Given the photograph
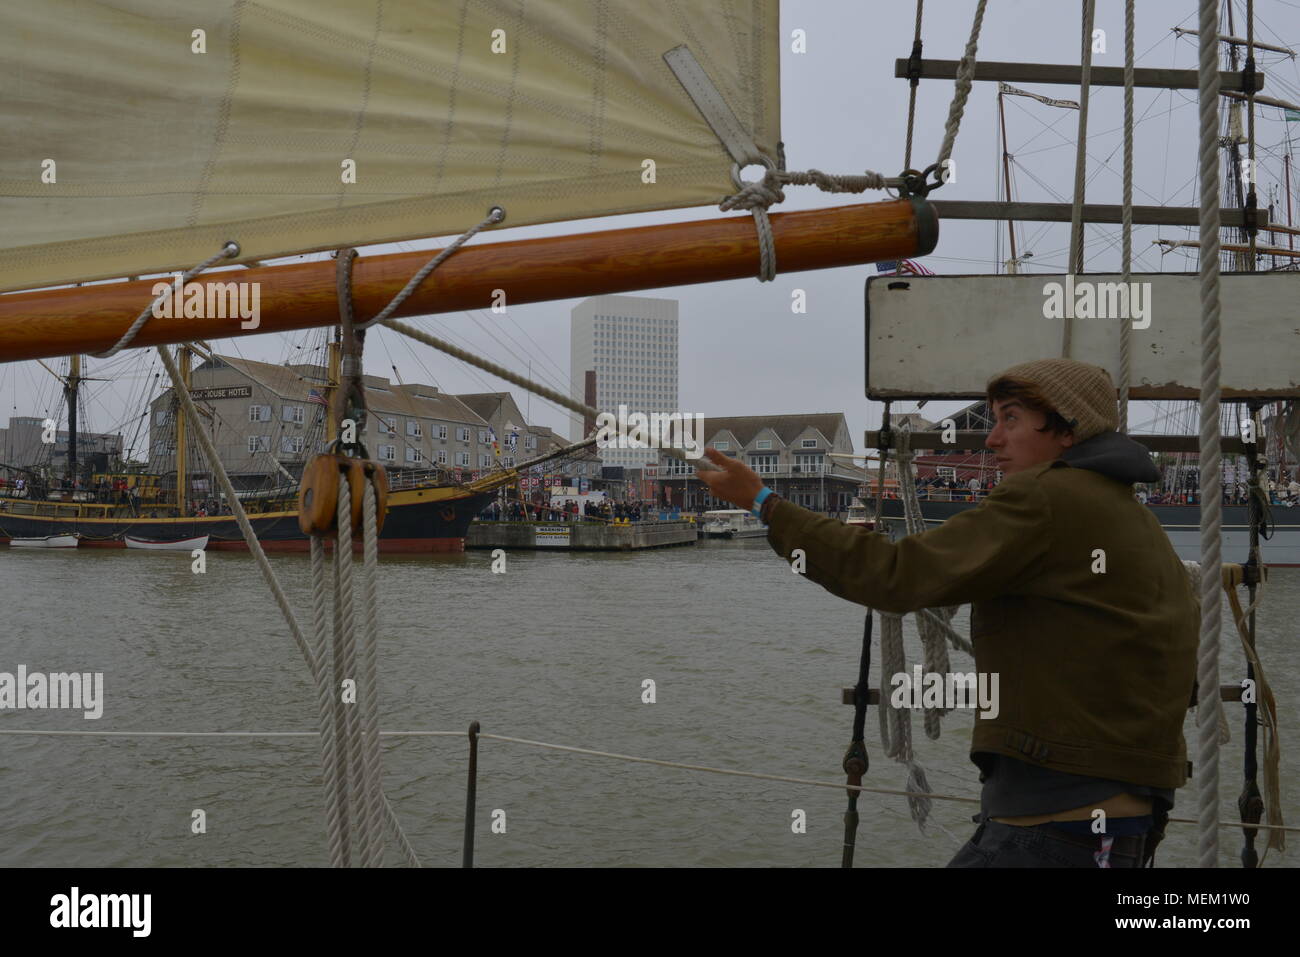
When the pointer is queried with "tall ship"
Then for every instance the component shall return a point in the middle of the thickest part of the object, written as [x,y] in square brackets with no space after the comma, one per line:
[444,462]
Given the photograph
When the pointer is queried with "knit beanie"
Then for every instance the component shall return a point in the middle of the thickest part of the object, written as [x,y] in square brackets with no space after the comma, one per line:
[1083,394]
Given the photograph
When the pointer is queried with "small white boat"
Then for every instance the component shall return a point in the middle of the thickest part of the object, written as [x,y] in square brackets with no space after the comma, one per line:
[732,523]
[180,545]
[49,541]
[858,515]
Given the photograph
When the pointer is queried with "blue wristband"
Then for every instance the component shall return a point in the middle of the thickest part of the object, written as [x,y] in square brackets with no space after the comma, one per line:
[757,510]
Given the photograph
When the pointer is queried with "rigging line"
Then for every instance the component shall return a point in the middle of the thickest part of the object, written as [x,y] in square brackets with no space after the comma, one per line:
[558,368]
[1096,136]
[557,386]
[1090,156]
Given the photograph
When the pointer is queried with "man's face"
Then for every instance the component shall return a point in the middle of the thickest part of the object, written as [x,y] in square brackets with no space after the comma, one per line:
[1016,440]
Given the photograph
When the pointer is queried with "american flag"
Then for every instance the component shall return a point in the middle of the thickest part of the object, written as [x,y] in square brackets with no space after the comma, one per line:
[905,267]
[314,395]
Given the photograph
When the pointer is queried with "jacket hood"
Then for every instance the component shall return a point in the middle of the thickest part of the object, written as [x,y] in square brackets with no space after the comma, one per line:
[1115,456]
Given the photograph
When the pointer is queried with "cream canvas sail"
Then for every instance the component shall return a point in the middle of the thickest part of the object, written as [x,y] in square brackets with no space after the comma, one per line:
[140,135]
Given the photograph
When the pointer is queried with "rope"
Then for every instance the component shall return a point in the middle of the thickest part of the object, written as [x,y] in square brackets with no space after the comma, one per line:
[499,371]
[495,215]
[1267,703]
[237,509]
[1207,715]
[1080,164]
[911,96]
[965,77]
[780,778]
[1126,327]
[760,194]
[368,680]
[228,251]
[327,707]
[345,649]
[896,723]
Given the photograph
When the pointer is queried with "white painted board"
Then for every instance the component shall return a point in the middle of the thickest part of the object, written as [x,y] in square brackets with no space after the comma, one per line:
[946,336]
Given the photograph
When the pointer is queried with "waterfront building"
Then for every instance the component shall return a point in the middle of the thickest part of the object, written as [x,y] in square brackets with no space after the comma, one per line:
[792,454]
[628,345]
[21,447]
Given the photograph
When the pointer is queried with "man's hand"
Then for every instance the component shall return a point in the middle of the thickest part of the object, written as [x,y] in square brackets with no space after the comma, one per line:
[737,483]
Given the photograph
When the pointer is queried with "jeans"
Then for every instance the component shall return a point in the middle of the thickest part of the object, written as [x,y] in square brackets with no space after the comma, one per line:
[1005,845]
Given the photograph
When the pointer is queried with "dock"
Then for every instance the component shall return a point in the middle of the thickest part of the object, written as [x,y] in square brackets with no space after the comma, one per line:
[581,536]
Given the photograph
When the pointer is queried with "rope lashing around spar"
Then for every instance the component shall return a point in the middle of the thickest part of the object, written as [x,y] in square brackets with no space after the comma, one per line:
[758,196]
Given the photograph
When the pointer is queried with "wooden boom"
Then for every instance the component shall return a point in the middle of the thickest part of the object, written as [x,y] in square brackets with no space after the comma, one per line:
[56,322]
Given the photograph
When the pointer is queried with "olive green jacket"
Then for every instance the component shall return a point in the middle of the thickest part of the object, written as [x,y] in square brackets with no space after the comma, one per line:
[1095,667]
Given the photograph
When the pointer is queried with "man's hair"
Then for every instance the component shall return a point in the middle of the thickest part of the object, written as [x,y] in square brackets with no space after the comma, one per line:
[1008,387]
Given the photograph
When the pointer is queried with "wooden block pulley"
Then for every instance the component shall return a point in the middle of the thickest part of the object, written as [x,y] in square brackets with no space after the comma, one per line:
[318,494]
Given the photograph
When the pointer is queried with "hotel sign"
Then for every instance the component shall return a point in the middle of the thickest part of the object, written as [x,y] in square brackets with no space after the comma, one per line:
[233,392]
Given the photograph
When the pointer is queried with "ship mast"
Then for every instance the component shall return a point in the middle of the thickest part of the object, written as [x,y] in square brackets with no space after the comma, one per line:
[70,387]
[184,355]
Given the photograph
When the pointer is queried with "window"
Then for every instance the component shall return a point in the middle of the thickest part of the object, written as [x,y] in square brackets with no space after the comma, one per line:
[462,434]
[763,464]
[414,455]
[259,443]
[290,444]
[386,426]
[442,431]
[388,453]
[809,443]
[259,413]
[442,456]
[508,461]
[462,458]
[530,442]
[809,462]
[483,437]
[722,446]
[764,443]
[485,461]
[414,431]
[292,413]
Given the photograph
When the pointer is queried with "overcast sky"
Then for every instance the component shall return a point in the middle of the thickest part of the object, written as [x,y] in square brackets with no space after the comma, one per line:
[742,352]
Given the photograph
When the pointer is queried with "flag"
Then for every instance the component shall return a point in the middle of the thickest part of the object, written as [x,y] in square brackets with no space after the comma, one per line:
[1292,116]
[905,267]
[496,448]
[316,396]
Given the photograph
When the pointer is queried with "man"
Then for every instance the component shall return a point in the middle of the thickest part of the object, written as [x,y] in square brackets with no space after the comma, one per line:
[1080,606]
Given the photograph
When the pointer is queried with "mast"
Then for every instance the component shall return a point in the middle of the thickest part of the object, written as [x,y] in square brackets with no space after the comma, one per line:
[333,364]
[183,354]
[1006,176]
[71,385]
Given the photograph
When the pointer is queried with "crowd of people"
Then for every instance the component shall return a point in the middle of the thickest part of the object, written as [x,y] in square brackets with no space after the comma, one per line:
[570,510]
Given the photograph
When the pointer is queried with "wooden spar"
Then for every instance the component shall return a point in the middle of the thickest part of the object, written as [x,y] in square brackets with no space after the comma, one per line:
[52,322]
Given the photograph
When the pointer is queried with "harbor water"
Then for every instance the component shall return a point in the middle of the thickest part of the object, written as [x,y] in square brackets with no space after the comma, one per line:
[747,661]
